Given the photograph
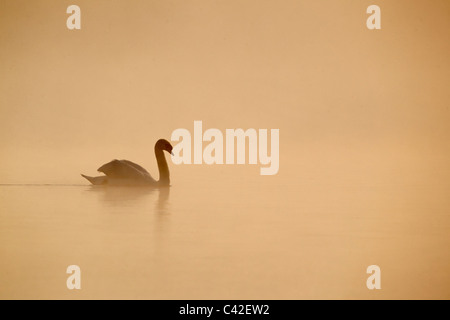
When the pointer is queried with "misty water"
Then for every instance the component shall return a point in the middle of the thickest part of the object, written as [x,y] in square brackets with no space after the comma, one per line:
[363,119]
[225,232]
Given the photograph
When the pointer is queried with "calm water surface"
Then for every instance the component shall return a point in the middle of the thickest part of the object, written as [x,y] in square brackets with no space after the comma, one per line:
[229,237]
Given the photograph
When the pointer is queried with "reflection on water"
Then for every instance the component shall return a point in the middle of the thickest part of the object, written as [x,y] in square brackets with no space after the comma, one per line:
[215,238]
[132,196]
[122,199]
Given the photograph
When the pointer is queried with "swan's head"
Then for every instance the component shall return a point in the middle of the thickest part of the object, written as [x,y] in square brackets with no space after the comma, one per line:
[163,144]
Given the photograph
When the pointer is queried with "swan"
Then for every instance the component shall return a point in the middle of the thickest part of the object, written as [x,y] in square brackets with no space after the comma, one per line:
[124,172]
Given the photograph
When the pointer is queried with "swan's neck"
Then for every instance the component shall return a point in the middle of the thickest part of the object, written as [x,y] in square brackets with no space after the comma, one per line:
[164,176]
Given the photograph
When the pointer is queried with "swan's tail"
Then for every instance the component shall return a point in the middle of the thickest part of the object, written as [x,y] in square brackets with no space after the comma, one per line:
[96,180]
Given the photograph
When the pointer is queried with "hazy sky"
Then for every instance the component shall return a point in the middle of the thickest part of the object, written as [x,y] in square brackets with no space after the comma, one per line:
[137,70]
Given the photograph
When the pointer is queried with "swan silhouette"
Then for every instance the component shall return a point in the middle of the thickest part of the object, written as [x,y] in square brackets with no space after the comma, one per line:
[127,173]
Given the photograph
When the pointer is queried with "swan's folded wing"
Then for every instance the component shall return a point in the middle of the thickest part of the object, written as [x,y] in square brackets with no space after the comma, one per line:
[118,169]
[136,166]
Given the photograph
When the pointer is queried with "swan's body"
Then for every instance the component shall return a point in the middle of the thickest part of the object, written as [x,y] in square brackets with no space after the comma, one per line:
[124,172]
